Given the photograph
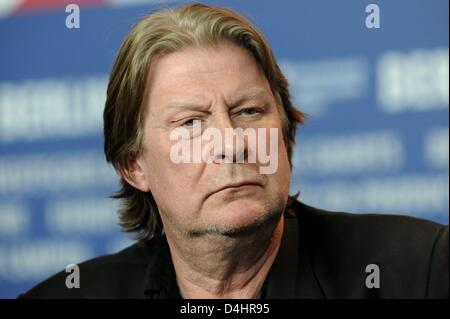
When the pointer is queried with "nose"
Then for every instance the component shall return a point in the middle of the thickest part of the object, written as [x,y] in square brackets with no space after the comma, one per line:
[233,150]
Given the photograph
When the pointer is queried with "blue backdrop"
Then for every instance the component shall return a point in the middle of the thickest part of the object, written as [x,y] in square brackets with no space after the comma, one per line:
[376,141]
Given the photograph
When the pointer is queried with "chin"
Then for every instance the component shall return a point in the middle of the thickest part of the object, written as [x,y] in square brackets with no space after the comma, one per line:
[244,215]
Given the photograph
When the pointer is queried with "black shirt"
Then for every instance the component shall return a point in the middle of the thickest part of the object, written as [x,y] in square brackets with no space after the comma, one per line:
[322,255]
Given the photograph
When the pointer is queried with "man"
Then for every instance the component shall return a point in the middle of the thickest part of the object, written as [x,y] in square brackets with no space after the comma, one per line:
[222,226]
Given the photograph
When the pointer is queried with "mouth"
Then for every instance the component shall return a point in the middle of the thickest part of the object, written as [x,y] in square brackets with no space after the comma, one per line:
[239,186]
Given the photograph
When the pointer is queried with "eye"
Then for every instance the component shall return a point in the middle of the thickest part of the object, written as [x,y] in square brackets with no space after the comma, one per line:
[188,123]
[251,111]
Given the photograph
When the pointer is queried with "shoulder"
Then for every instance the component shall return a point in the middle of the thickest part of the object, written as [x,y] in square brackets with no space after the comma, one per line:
[372,229]
[411,253]
[117,275]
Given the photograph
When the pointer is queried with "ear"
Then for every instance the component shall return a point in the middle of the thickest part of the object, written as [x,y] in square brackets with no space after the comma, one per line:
[135,175]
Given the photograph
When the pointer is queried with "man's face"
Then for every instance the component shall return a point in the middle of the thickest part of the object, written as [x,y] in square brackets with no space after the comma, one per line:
[221,88]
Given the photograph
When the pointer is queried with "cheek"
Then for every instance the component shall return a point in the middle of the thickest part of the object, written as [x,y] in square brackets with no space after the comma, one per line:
[281,150]
[284,167]
[170,183]
[281,177]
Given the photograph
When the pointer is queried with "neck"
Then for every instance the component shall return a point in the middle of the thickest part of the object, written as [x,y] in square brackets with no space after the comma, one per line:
[217,266]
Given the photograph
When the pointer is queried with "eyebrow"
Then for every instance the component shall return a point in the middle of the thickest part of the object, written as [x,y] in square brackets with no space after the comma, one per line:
[247,96]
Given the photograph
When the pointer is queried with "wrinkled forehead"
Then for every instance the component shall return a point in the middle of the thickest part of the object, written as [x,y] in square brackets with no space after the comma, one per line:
[197,74]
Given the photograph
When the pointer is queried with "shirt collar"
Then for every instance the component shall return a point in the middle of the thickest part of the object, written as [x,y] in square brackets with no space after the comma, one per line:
[161,279]
[282,278]
[291,275]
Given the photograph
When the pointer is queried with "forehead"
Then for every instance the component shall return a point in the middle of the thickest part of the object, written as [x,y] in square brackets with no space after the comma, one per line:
[200,73]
